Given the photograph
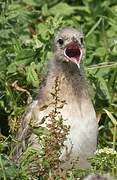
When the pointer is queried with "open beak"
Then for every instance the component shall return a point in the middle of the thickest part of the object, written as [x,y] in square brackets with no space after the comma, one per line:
[73,53]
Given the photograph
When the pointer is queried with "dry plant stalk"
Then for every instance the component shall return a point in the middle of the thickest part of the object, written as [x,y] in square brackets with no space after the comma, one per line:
[45,161]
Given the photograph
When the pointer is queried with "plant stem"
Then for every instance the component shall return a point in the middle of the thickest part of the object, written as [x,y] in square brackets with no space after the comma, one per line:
[2,168]
[114,136]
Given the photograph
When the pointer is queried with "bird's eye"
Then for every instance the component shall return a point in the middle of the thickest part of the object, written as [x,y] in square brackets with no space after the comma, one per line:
[60,41]
[82,40]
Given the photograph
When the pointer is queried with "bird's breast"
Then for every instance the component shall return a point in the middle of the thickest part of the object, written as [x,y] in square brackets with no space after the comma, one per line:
[82,136]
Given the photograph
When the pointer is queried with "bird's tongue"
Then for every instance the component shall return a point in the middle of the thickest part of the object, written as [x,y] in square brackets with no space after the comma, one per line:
[73,53]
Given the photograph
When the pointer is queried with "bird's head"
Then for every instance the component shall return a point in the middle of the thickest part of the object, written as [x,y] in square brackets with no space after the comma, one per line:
[69,46]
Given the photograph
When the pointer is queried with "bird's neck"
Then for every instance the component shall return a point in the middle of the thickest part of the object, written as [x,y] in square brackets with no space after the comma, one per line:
[70,79]
[71,76]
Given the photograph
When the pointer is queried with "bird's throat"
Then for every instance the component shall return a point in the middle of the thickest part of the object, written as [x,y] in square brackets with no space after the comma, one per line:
[70,77]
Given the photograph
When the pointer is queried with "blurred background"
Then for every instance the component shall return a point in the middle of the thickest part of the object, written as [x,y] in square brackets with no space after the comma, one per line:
[27,29]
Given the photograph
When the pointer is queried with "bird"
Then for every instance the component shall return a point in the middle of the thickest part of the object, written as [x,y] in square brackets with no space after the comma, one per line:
[77,113]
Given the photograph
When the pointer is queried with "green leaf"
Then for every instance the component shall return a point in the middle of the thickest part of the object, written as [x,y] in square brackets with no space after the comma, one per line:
[101,51]
[94,27]
[24,54]
[31,2]
[32,76]
[112,118]
[91,40]
[103,91]
[62,9]
[11,68]
[40,131]
[43,31]
[45,11]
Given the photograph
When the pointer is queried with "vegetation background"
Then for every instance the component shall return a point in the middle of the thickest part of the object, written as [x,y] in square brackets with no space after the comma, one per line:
[27,28]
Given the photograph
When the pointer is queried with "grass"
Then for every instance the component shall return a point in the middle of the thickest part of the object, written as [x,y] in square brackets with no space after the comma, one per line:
[27,29]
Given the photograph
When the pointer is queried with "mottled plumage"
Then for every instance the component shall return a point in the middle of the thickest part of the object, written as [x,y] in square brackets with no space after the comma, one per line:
[77,112]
